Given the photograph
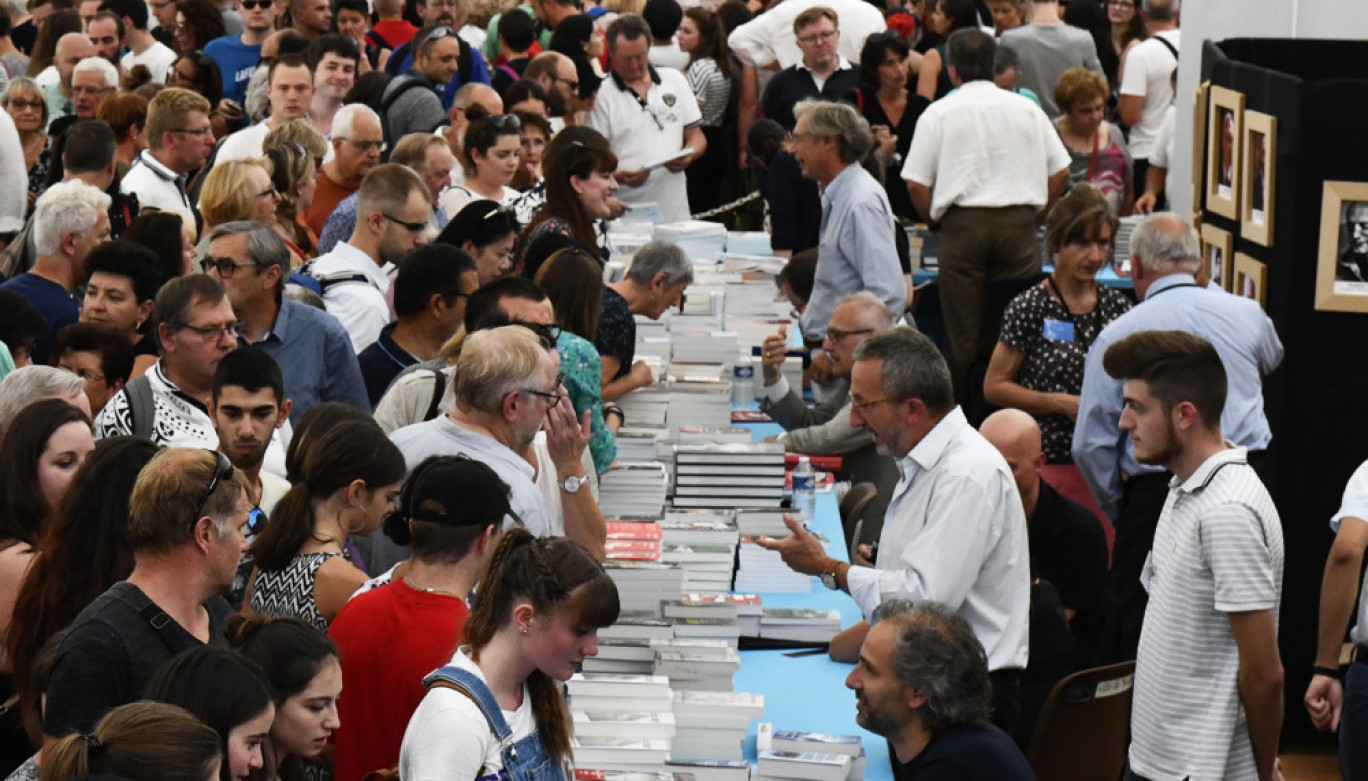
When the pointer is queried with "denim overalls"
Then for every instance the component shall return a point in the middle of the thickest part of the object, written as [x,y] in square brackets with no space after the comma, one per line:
[525,760]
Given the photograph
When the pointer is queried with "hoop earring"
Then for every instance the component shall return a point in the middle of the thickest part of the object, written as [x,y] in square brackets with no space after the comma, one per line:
[359,526]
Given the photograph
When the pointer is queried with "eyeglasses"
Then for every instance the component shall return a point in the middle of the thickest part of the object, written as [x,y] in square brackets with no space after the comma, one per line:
[547,334]
[273,192]
[249,5]
[553,398]
[1102,244]
[411,227]
[90,90]
[822,36]
[20,104]
[223,470]
[367,146]
[227,267]
[836,334]
[574,85]
[504,122]
[86,374]
[861,406]
[212,333]
[201,132]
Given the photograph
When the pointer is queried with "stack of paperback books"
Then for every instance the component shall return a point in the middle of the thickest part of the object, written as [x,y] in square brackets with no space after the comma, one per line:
[647,405]
[639,443]
[802,625]
[820,744]
[712,725]
[700,403]
[634,489]
[707,568]
[697,664]
[632,540]
[621,722]
[730,475]
[643,585]
[759,569]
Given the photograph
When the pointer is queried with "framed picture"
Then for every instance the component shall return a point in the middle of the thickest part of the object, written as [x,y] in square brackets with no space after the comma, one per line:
[1251,279]
[1199,123]
[1342,264]
[1217,246]
[1258,173]
[1224,133]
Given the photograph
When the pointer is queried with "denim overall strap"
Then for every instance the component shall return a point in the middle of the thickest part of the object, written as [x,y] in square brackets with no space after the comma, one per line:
[470,684]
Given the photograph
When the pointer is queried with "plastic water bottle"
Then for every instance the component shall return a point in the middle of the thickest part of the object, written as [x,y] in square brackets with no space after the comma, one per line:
[805,489]
[743,382]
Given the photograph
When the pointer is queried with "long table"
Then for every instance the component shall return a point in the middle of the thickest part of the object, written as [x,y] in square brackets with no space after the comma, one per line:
[808,693]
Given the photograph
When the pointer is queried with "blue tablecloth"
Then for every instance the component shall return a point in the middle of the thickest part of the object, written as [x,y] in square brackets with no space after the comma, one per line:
[808,693]
[1106,275]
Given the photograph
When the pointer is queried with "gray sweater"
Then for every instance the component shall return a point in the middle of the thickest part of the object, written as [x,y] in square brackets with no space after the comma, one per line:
[1046,51]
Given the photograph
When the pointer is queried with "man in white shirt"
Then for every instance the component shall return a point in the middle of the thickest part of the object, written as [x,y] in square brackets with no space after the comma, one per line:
[955,531]
[648,114]
[1146,82]
[984,165]
[179,140]
[1208,699]
[143,49]
[290,88]
[392,213]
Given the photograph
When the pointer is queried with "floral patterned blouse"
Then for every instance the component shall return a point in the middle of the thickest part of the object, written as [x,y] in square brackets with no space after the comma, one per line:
[584,381]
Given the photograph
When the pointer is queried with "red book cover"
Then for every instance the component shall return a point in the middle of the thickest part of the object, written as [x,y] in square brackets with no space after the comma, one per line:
[750,416]
[820,463]
[633,530]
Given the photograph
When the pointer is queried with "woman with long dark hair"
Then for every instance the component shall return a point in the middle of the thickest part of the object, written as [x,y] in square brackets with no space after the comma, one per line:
[535,616]
[579,170]
[347,482]
[486,232]
[709,74]
[891,109]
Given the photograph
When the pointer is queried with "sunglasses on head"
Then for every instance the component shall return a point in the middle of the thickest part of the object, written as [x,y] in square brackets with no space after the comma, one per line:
[504,122]
[548,335]
[223,470]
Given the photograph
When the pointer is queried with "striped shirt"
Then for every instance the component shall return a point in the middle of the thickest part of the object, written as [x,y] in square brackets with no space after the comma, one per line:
[712,89]
[1218,549]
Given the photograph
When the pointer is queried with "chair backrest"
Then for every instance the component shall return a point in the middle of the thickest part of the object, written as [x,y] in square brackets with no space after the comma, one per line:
[852,509]
[1084,727]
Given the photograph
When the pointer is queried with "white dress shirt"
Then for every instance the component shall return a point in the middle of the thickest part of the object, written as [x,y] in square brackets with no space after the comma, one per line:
[360,303]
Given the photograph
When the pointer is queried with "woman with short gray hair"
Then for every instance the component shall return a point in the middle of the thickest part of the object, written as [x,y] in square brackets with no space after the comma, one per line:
[653,283]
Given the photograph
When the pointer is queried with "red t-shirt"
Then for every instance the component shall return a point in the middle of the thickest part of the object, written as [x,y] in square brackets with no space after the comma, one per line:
[395,33]
[326,198]
[389,639]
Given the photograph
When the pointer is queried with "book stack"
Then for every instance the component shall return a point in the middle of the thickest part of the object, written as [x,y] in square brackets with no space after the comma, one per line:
[633,540]
[700,240]
[692,435]
[643,625]
[621,655]
[686,322]
[707,568]
[716,346]
[749,242]
[712,725]
[643,585]
[821,743]
[698,666]
[638,443]
[698,372]
[594,774]
[764,523]
[748,608]
[647,405]
[710,607]
[702,526]
[729,475]
[633,489]
[709,769]
[758,569]
[700,403]
[803,625]
[621,722]
[792,764]
[725,629]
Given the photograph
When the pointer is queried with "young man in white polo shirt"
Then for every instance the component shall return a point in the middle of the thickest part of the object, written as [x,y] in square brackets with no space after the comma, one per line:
[1208,679]
[179,140]
[648,114]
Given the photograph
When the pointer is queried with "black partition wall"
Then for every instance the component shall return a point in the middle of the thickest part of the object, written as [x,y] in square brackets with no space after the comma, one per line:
[1317,401]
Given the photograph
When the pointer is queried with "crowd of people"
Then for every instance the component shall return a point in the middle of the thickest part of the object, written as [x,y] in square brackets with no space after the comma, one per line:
[311,366]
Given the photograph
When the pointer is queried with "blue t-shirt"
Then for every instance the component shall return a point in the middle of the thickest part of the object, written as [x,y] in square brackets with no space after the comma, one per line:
[56,305]
[236,61]
[479,73]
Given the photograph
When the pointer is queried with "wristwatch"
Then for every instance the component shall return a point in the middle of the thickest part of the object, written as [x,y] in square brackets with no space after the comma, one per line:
[829,577]
[572,484]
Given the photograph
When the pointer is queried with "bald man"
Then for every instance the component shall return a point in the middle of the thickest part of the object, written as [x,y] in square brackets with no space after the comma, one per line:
[1068,546]
[71,49]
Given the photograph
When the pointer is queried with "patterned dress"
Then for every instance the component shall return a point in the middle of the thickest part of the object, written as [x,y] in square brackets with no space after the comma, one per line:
[584,386]
[1036,323]
[289,592]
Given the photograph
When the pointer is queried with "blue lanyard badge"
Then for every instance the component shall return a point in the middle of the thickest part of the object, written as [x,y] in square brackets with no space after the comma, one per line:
[1059,331]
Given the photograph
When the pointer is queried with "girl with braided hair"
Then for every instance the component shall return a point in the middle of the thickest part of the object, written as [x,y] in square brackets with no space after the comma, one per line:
[497,710]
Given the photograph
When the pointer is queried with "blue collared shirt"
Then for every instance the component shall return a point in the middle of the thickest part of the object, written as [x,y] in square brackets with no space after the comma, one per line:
[315,355]
[1243,336]
[855,250]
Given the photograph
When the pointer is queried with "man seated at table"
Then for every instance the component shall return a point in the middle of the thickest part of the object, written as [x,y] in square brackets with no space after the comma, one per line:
[825,428]
[922,682]
[955,531]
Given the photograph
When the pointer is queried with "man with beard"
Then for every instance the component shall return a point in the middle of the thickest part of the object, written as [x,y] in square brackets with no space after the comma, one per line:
[392,212]
[1164,257]
[248,406]
[469,68]
[922,682]
[412,103]
[955,530]
[1208,678]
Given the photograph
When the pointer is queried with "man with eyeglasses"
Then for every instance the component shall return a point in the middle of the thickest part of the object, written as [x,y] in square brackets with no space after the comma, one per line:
[252,262]
[955,530]
[56,78]
[357,143]
[392,210]
[290,88]
[412,103]
[825,428]
[186,518]
[179,140]
[822,73]
[248,406]
[93,80]
[469,68]
[143,48]
[238,55]
[651,119]
[557,75]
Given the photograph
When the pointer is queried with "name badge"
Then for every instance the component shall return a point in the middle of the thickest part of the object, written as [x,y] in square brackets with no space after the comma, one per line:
[1059,331]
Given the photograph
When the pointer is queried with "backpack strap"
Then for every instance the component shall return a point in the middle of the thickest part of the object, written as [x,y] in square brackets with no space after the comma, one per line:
[465,61]
[438,388]
[155,617]
[1167,45]
[142,409]
[377,39]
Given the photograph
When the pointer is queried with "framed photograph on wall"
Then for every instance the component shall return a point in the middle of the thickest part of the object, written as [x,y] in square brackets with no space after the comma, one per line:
[1199,123]
[1258,174]
[1224,134]
[1250,279]
[1217,248]
[1342,263]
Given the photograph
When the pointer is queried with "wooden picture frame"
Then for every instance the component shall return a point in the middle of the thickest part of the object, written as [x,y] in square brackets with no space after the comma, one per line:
[1224,134]
[1341,268]
[1258,172]
[1217,266]
[1250,279]
[1199,124]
